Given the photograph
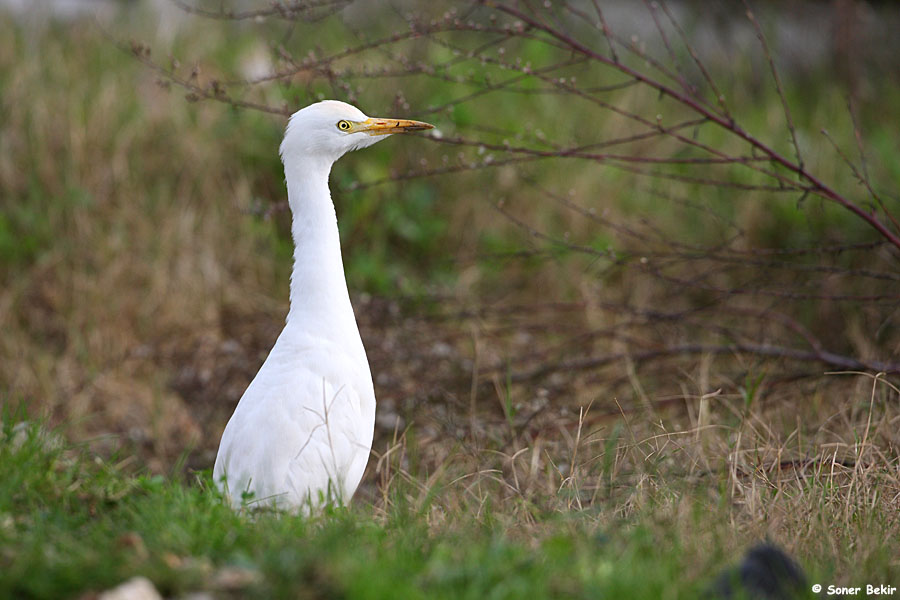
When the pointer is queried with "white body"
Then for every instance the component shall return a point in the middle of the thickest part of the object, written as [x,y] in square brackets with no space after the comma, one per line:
[302,432]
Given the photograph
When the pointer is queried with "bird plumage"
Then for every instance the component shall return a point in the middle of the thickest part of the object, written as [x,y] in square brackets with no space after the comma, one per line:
[302,432]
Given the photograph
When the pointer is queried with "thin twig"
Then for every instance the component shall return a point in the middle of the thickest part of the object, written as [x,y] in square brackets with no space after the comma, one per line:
[777,79]
[817,186]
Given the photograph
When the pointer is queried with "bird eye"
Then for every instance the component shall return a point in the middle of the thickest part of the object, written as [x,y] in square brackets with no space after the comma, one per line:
[344,125]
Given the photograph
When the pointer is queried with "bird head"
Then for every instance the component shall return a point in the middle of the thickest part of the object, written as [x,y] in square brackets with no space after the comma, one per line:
[329,129]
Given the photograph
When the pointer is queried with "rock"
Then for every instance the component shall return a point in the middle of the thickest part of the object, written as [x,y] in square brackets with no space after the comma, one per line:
[136,588]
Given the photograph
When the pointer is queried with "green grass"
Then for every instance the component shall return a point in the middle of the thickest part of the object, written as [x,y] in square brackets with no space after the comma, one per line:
[72,522]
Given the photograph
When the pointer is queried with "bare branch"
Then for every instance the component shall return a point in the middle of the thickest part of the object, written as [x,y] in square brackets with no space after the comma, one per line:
[305,10]
[816,185]
[777,79]
[593,362]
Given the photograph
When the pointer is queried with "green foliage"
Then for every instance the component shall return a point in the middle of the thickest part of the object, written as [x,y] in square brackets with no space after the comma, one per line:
[24,231]
[394,236]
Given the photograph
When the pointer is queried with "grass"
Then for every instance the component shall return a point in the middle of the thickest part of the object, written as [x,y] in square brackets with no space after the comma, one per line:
[633,516]
[74,523]
[141,289]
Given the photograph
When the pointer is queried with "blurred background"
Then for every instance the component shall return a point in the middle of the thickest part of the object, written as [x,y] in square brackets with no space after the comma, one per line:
[559,284]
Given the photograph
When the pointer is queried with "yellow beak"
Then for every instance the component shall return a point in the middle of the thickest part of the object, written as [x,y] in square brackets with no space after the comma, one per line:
[378,126]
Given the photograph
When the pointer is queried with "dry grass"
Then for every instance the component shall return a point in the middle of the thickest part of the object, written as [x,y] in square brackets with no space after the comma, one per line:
[804,468]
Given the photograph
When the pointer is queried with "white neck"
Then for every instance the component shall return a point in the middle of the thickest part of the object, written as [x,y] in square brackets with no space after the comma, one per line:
[320,302]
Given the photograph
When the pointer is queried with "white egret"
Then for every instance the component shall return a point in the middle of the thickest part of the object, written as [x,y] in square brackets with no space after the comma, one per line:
[302,432]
